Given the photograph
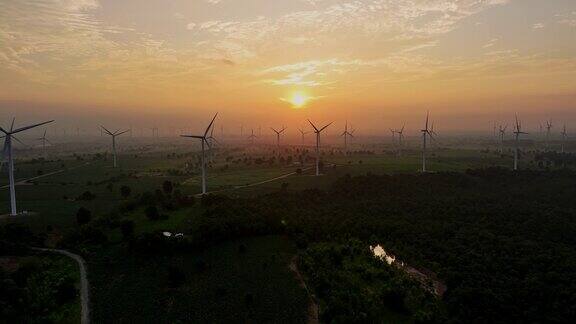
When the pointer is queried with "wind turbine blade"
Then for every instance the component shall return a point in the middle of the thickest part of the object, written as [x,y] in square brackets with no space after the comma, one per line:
[193,136]
[12,125]
[275,131]
[44,133]
[107,131]
[210,126]
[283,129]
[124,132]
[316,129]
[47,141]
[427,116]
[3,131]
[323,128]
[31,126]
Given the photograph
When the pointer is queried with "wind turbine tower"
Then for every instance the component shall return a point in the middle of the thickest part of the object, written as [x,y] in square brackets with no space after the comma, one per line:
[564,136]
[517,132]
[426,133]
[44,140]
[203,140]
[252,137]
[318,132]
[114,135]
[502,132]
[303,134]
[278,133]
[346,133]
[548,133]
[400,140]
[7,153]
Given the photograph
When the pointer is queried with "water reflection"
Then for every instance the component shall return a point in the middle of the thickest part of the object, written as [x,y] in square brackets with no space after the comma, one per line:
[381,254]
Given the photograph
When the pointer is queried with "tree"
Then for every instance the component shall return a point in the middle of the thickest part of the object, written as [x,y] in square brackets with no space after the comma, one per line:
[83,216]
[167,187]
[152,213]
[125,191]
[127,229]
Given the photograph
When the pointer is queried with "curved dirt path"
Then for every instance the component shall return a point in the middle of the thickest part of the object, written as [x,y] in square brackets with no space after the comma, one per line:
[84,287]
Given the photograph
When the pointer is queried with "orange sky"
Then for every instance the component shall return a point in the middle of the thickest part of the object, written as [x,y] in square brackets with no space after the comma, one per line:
[374,62]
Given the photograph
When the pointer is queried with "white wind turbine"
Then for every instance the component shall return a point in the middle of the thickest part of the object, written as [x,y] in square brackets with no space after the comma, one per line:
[346,133]
[303,134]
[400,139]
[204,140]
[278,133]
[7,153]
[252,137]
[564,136]
[517,132]
[44,141]
[114,135]
[318,132]
[502,132]
[426,132]
[548,133]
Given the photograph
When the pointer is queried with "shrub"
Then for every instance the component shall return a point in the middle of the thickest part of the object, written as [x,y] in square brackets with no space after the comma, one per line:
[167,187]
[176,277]
[127,228]
[83,216]
[125,191]
[152,213]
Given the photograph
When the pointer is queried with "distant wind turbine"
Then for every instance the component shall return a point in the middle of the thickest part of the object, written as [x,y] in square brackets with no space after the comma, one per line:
[44,141]
[318,132]
[346,133]
[548,133]
[502,132]
[400,139]
[204,140]
[426,132]
[278,133]
[303,134]
[517,132]
[7,153]
[252,137]
[564,136]
[114,135]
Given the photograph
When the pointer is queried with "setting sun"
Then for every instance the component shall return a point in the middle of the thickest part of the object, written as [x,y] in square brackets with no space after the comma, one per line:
[299,99]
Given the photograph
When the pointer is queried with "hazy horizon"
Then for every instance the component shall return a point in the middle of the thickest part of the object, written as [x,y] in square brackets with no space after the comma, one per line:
[376,63]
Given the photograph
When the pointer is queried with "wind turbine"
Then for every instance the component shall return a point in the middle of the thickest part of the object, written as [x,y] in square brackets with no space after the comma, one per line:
[502,132]
[400,139]
[203,140]
[548,129]
[44,140]
[318,132]
[517,132]
[303,133]
[426,132]
[278,132]
[564,136]
[8,137]
[114,135]
[252,137]
[346,133]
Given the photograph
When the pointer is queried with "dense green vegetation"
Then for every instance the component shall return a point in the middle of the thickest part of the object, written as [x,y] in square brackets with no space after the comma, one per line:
[38,288]
[503,242]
